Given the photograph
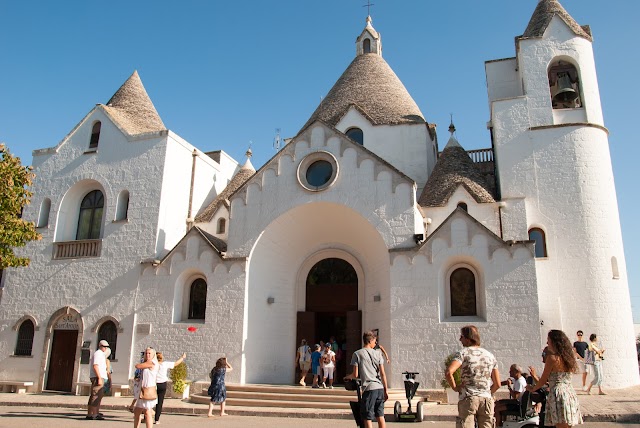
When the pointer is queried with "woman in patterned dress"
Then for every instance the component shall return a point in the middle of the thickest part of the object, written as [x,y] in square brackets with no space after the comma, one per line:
[563,409]
[217,389]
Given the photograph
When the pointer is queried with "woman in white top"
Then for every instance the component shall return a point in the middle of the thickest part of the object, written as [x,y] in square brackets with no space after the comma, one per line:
[149,369]
[328,362]
[161,380]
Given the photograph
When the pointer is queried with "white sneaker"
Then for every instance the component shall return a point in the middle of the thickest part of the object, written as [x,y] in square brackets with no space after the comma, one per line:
[330,386]
[584,388]
[323,385]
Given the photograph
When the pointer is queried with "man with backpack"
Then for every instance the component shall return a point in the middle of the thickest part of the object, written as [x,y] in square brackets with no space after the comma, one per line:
[368,366]
[303,358]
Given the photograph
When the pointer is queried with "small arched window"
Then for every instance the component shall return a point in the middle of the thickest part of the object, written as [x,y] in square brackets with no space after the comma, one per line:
[90,218]
[25,338]
[614,268]
[198,299]
[95,135]
[538,236]
[366,46]
[462,283]
[463,206]
[109,332]
[45,209]
[356,135]
[564,84]
[222,225]
[123,206]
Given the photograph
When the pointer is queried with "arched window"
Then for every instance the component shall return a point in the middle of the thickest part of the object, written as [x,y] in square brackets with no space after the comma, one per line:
[463,206]
[564,84]
[95,135]
[537,235]
[109,332]
[356,135]
[366,46]
[123,206]
[614,268]
[25,338]
[90,218]
[198,299]
[222,225]
[462,287]
[45,208]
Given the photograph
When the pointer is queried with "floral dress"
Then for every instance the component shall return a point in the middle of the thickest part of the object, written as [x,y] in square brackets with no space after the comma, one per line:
[562,403]
[217,389]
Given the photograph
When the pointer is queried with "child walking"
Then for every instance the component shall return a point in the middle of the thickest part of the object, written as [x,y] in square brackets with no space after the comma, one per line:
[217,390]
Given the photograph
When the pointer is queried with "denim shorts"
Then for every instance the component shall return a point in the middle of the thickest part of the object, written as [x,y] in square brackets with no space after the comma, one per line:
[372,406]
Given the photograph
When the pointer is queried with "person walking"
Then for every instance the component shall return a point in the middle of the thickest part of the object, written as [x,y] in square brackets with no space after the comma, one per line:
[562,409]
[598,357]
[479,380]
[148,396]
[328,362]
[97,374]
[315,365]
[218,390]
[303,359]
[368,366]
[161,380]
[580,347]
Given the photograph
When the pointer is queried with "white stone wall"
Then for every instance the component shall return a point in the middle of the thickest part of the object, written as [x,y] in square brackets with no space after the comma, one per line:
[564,175]
[409,148]
[421,333]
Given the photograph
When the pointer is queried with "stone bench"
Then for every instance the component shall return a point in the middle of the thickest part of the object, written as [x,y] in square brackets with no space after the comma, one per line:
[15,386]
[117,390]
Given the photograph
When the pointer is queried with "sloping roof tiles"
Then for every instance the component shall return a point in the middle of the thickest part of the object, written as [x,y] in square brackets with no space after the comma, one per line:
[542,16]
[372,86]
[132,108]
[454,168]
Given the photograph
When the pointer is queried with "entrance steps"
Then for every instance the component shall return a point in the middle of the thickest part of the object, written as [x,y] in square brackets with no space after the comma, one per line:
[301,401]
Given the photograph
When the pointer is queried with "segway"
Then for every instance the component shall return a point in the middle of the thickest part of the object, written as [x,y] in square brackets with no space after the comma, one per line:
[410,388]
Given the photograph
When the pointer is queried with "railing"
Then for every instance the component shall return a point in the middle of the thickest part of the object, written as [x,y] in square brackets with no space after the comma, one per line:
[77,249]
[481,155]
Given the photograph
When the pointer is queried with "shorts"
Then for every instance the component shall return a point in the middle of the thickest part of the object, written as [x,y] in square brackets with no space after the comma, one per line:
[305,365]
[472,408]
[582,367]
[372,404]
[97,392]
[328,372]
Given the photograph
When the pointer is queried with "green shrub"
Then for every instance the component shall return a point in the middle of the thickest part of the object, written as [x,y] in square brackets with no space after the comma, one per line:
[178,376]
[456,374]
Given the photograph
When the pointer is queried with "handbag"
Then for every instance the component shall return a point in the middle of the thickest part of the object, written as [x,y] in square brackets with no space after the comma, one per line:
[588,357]
[148,393]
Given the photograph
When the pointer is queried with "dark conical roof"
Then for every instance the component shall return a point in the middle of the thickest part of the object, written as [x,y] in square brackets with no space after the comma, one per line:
[132,108]
[453,169]
[372,86]
[542,16]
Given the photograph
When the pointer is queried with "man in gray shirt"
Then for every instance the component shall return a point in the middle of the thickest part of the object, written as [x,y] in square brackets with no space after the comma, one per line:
[368,366]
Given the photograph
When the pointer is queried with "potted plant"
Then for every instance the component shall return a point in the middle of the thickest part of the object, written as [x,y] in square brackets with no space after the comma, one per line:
[178,378]
[452,396]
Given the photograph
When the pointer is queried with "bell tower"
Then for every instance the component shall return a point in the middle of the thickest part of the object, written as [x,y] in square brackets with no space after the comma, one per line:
[556,180]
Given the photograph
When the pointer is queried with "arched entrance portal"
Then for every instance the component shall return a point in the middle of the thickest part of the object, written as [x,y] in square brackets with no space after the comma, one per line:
[332,309]
[62,347]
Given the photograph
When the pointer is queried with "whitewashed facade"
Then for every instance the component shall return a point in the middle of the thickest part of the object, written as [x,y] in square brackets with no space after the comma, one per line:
[196,253]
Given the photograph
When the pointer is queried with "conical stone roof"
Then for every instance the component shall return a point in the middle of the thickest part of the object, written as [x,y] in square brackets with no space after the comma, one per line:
[545,11]
[246,171]
[372,86]
[453,169]
[132,108]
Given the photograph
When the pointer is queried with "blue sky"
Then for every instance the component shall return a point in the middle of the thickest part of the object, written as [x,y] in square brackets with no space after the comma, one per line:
[224,73]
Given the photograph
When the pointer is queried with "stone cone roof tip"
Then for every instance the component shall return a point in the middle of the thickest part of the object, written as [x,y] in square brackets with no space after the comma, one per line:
[371,85]
[454,168]
[244,173]
[544,13]
[132,108]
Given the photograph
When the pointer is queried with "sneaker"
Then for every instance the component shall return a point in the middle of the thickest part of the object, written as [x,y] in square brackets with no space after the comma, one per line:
[90,417]
[584,388]
[330,386]
[315,387]
[99,417]
[323,385]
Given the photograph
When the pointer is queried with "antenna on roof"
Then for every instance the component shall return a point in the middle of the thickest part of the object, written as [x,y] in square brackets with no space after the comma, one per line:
[368,6]
[277,140]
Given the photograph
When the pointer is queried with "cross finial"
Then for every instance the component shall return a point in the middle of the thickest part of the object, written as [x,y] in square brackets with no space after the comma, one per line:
[368,6]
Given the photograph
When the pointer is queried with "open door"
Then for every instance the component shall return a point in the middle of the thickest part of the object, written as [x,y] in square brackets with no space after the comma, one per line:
[306,330]
[353,335]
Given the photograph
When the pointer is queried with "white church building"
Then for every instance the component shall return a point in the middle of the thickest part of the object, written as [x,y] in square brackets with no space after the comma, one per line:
[361,221]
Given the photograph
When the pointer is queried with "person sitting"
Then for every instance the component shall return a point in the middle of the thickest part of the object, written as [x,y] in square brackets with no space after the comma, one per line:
[516,384]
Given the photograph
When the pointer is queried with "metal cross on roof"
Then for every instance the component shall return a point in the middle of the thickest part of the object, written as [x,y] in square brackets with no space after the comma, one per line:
[368,6]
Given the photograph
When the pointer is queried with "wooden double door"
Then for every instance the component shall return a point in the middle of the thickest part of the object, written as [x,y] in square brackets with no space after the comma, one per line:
[62,360]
